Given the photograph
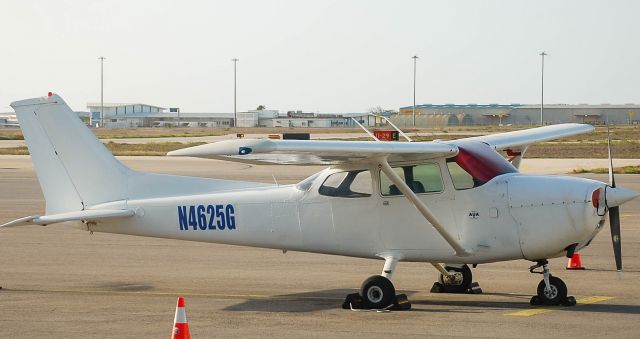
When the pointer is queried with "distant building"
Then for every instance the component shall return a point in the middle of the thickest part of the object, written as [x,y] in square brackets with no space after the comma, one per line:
[515,114]
[116,109]
[272,118]
[121,115]
[8,120]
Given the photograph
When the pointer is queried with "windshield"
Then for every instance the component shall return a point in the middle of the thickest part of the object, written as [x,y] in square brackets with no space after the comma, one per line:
[480,162]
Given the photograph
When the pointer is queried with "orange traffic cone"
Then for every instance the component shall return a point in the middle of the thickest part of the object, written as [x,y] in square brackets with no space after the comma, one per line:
[180,325]
[575,263]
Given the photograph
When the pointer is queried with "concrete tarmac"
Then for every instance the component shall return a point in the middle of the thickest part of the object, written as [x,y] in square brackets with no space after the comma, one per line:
[58,281]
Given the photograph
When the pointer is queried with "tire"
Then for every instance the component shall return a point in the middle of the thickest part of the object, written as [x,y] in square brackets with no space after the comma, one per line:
[558,293]
[461,285]
[377,292]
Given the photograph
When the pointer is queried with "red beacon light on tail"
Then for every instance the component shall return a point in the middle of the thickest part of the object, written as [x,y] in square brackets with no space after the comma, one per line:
[49,94]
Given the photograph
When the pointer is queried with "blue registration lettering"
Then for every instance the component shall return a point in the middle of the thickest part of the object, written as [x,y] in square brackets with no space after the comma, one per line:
[182,218]
[193,221]
[212,216]
[220,216]
[202,218]
[231,217]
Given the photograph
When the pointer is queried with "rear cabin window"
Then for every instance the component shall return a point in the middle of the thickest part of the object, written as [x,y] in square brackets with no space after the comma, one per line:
[351,184]
[476,164]
[423,178]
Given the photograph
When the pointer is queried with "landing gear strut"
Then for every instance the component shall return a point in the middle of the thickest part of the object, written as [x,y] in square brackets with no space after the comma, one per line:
[378,293]
[551,290]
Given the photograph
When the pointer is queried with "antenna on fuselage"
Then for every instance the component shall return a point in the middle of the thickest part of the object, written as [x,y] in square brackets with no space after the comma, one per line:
[394,126]
[365,129]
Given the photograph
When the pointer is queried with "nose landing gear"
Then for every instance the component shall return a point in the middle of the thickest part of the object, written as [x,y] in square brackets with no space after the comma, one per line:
[551,290]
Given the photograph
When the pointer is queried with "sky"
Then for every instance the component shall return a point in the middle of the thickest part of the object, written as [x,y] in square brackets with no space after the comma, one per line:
[319,56]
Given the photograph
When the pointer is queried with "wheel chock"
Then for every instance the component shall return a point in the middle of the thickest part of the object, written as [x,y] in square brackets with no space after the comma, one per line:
[401,303]
[475,289]
[537,301]
[354,301]
[569,301]
[440,288]
[437,288]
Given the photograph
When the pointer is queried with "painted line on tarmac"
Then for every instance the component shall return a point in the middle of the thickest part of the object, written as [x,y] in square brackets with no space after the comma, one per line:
[162,294]
[542,310]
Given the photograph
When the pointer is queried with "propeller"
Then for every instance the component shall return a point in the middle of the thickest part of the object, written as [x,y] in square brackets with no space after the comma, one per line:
[614,212]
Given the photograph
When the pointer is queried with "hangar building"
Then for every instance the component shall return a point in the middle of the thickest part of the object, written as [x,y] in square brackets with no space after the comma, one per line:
[516,114]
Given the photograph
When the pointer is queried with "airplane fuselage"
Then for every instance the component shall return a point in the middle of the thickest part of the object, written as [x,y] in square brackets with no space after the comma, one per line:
[512,216]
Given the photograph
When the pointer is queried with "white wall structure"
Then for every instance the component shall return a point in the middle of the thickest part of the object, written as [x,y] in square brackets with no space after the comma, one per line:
[124,108]
[248,119]
[173,119]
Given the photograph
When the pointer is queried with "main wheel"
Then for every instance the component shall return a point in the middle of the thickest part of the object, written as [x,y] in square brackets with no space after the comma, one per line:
[460,282]
[377,292]
[556,294]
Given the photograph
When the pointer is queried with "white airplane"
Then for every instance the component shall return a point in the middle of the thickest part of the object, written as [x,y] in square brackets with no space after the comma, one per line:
[448,203]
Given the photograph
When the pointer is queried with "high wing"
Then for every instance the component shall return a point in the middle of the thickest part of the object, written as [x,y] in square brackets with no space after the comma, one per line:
[519,140]
[321,152]
[317,152]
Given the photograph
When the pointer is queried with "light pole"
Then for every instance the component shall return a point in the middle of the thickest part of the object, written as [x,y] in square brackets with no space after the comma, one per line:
[235,111]
[101,90]
[415,59]
[542,92]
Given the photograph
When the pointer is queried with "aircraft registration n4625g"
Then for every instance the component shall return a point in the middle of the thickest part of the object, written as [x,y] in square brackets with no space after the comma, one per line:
[448,203]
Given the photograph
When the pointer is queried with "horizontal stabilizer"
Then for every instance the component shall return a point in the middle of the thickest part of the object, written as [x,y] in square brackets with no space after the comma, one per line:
[89,215]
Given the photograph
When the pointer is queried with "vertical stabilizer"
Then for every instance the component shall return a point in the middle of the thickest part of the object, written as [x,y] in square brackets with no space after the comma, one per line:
[74,168]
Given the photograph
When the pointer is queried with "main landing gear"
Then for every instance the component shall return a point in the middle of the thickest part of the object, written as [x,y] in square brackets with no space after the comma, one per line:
[455,279]
[551,290]
[378,293]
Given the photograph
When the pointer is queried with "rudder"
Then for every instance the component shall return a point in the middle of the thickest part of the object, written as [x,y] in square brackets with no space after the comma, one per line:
[74,168]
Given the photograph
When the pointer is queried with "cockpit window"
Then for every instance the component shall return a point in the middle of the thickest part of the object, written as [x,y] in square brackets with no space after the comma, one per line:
[306,184]
[476,164]
[352,184]
[422,178]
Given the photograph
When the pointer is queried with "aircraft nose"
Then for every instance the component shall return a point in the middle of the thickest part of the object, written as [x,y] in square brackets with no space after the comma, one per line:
[616,196]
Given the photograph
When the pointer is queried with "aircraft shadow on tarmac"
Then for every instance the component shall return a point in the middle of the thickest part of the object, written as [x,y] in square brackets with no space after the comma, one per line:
[519,305]
[123,286]
[331,299]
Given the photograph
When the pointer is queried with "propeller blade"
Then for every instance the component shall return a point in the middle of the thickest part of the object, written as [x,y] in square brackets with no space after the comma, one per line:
[614,212]
[614,224]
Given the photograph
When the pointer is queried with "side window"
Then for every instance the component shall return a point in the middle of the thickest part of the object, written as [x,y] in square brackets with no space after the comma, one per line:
[353,184]
[423,178]
[461,179]
[387,187]
[427,177]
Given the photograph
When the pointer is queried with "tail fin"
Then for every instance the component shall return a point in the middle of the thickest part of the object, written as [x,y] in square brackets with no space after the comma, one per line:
[74,168]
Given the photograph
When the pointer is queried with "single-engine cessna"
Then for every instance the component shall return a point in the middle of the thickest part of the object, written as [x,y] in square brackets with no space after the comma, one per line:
[448,203]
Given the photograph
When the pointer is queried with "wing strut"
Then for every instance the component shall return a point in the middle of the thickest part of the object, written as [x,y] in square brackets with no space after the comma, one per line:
[365,129]
[424,210]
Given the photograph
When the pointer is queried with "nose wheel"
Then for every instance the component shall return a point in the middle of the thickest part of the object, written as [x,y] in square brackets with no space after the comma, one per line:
[551,290]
